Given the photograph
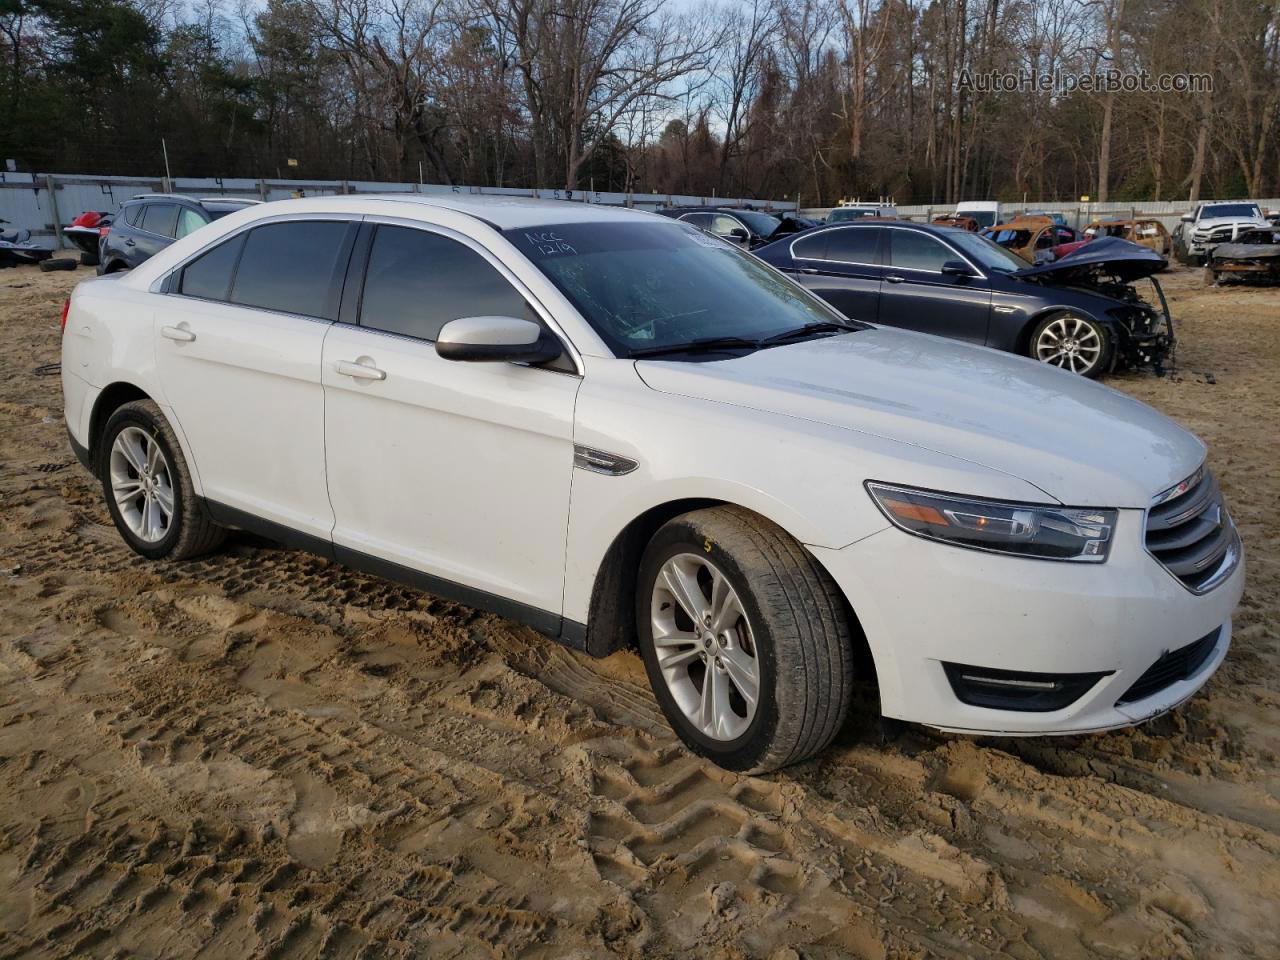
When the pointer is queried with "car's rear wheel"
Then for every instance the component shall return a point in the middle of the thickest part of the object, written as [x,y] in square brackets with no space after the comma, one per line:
[1076,343]
[148,487]
[745,640]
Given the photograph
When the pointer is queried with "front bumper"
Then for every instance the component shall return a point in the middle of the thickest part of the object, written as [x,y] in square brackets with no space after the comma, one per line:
[922,604]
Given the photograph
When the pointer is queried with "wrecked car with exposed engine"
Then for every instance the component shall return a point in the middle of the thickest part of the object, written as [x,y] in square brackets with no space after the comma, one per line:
[1254,255]
[1081,313]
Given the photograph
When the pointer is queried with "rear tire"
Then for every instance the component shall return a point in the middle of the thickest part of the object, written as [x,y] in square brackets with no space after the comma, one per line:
[788,633]
[148,488]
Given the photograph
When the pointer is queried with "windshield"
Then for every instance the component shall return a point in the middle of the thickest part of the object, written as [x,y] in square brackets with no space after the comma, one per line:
[985,218]
[988,255]
[849,213]
[649,286]
[1213,211]
[761,223]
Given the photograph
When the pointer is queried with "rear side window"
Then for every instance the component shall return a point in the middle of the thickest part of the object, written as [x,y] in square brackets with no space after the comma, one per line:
[160,218]
[416,282]
[854,245]
[209,275]
[289,267]
[132,213]
[918,251]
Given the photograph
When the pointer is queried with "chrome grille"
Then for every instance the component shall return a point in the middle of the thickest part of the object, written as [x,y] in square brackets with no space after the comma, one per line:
[1191,534]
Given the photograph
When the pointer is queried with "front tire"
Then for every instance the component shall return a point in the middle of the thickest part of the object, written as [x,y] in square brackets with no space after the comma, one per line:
[1074,342]
[745,640]
[148,488]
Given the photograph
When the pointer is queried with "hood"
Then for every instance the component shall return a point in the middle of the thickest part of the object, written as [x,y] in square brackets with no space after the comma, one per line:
[1128,261]
[1083,444]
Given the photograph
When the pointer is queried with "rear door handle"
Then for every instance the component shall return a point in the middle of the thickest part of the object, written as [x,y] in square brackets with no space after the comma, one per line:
[894,278]
[361,371]
[181,334]
[806,270]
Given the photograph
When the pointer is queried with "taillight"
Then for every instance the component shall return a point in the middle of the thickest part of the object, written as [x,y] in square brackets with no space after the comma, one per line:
[103,231]
[66,308]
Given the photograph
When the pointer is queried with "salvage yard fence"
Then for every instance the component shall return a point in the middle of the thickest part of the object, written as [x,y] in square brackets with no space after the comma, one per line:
[1078,215]
[45,202]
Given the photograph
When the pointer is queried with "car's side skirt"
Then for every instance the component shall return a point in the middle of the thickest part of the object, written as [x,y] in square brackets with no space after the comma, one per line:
[569,632]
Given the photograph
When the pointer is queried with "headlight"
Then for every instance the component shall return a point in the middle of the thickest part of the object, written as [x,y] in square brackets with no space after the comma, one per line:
[1049,533]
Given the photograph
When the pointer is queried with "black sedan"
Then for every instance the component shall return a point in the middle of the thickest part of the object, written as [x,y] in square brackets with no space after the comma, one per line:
[1080,313]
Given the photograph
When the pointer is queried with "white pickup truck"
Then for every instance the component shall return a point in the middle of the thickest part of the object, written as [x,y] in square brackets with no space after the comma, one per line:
[1213,223]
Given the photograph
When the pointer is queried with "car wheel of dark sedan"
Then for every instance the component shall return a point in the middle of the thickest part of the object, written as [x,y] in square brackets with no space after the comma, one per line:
[1076,343]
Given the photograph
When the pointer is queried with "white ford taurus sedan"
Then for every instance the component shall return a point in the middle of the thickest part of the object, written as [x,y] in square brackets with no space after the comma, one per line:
[620,430]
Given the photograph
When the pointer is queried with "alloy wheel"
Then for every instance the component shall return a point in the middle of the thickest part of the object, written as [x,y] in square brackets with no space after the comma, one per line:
[1070,343]
[704,646]
[142,484]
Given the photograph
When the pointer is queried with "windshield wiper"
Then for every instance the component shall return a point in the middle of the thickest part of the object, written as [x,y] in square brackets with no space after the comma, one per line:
[705,345]
[825,326]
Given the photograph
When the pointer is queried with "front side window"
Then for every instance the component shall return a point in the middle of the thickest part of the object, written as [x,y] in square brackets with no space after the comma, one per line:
[646,287]
[723,226]
[209,275]
[917,251]
[160,218]
[416,282]
[289,267]
[763,224]
[188,220]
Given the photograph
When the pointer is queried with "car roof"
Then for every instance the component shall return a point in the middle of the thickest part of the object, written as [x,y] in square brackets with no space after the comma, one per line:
[502,213]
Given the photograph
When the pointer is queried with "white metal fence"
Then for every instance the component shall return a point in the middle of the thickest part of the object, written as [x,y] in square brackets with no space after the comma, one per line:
[42,202]
[1078,215]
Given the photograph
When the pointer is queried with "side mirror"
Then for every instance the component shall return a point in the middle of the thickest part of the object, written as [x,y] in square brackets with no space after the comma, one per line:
[496,340]
[1188,218]
[956,268]
[738,235]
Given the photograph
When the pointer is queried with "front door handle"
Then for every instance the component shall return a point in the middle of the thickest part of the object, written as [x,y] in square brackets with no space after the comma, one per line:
[806,270]
[361,371]
[894,278]
[181,334]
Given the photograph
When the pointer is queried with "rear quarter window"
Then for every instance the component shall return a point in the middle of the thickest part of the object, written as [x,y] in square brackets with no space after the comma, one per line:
[209,275]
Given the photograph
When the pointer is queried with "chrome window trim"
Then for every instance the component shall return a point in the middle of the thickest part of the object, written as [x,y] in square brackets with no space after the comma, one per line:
[885,226]
[158,283]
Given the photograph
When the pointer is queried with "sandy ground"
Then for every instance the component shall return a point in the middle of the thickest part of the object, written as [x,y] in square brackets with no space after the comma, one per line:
[263,754]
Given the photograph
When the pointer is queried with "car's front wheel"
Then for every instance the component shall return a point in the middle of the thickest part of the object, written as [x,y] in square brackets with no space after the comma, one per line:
[1074,342]
[148,487]
[745,640]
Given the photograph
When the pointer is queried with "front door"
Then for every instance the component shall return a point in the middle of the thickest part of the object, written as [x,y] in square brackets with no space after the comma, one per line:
[456,470]
[917,295]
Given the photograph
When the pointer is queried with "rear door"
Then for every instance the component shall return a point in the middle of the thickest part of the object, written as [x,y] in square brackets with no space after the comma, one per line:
[917,295]
[459,471]
[239,356]
[842,265]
